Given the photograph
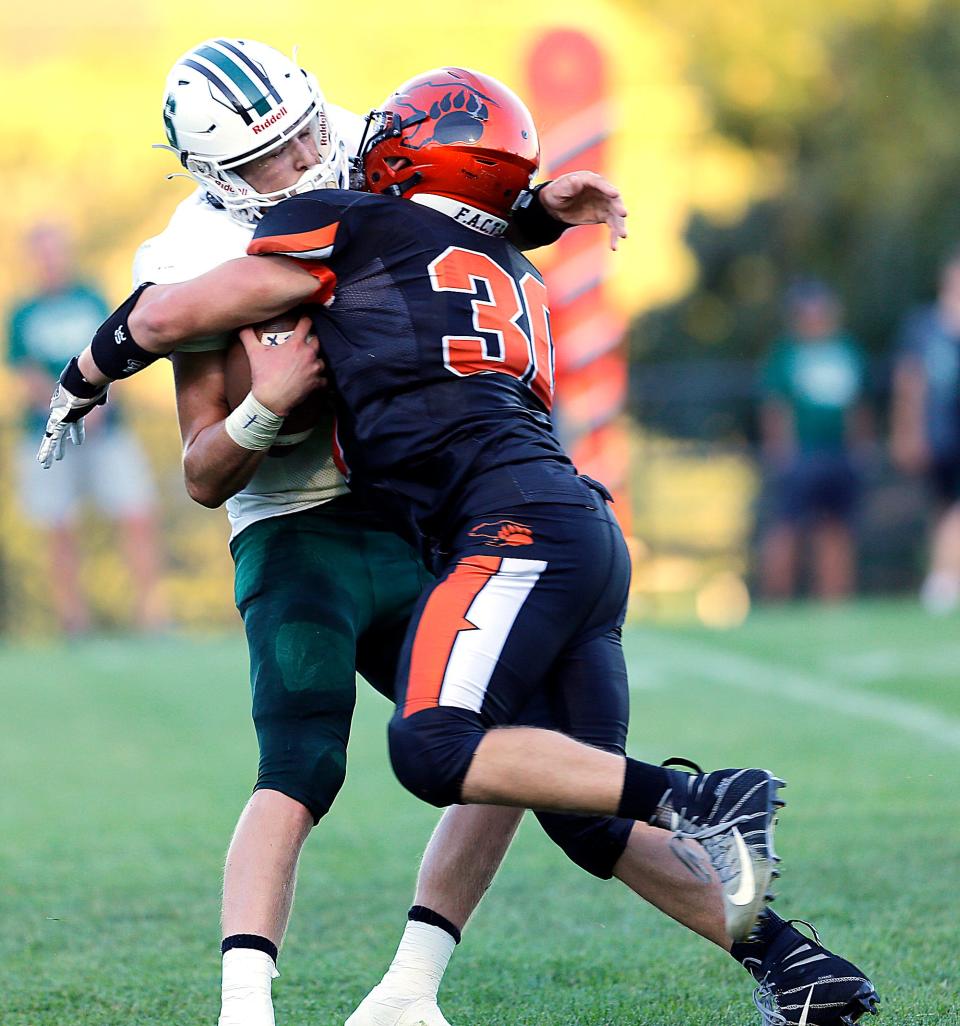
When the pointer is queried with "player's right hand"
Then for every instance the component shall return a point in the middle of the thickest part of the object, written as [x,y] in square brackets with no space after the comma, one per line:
[66,421]
[281,377]
[584,197]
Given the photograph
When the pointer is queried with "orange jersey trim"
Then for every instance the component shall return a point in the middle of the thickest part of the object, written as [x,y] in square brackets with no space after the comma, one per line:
[326,278]
[339,459]
[301,242]
[444,617]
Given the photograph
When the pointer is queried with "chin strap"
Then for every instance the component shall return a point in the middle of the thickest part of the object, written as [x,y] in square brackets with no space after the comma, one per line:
[399,188]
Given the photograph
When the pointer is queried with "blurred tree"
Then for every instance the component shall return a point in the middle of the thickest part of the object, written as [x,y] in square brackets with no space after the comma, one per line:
[845,111]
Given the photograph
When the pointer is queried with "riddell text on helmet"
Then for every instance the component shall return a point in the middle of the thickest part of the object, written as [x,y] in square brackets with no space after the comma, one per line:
[268,121]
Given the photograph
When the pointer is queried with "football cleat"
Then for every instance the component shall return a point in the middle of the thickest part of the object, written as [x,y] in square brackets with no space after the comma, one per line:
[379,1008]
[801,983]
[731,813]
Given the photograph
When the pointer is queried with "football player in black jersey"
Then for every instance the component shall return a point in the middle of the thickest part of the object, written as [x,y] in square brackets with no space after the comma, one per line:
[512,687]
[436,333]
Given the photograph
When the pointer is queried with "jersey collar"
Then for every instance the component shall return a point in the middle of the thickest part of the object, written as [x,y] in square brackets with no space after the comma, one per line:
[463,213]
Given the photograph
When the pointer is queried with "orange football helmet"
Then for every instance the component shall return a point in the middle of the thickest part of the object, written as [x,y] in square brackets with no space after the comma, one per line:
[463,135]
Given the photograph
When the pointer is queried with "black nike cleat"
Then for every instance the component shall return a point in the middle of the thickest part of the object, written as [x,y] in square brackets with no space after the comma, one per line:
[731,813]
[801,983]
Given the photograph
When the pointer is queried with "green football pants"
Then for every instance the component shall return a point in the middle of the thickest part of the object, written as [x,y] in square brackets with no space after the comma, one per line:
[324,593]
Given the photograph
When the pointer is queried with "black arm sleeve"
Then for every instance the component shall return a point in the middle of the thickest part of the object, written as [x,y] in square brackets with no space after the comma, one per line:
[114,349]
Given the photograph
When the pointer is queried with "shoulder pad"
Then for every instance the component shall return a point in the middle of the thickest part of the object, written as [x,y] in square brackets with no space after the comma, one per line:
[309,226]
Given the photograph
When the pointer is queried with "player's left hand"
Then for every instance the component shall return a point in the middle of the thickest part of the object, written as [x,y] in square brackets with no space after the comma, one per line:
[584,197]
[65,421]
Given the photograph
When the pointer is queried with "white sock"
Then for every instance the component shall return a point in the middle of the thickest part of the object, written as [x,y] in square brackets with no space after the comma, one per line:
[420,961]
[940,593]
[245,990]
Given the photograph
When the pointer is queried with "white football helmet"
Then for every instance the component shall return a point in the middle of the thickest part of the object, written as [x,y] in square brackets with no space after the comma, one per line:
[230,101]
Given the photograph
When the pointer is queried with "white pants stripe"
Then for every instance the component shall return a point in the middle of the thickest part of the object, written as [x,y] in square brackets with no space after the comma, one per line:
[493,612]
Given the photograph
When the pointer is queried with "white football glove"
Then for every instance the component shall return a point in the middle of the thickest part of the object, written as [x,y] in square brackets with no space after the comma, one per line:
[66,421]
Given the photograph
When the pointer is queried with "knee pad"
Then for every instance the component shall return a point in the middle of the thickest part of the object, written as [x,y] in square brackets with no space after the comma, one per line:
[302,716]
[308,766]
[431,751]
[593,843]
[304,690]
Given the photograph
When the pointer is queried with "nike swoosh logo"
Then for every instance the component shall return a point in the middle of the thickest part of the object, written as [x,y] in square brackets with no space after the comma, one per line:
[806,1007]
[748,884]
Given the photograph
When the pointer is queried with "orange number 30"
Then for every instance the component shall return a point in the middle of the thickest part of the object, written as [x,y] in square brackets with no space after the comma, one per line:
[528,358]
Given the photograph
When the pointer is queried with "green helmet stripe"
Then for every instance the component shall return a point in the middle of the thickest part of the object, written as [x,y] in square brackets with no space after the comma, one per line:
[169,109]
[255,96]
[171,131]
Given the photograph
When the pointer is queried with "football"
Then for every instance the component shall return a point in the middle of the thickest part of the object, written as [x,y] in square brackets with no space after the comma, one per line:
[302,419]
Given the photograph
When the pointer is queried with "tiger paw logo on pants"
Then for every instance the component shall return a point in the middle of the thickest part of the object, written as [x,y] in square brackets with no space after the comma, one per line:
[503,532]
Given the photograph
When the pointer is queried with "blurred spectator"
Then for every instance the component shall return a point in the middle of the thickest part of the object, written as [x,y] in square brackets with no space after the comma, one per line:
[925,425]
[812,420]
[45,330]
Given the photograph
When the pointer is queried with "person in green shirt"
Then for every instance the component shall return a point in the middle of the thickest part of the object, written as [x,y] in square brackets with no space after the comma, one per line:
[925,427]
[43,330]
[813,417]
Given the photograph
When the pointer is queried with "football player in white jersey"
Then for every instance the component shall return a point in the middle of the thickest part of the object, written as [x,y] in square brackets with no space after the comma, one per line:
[253,128]
[229,105]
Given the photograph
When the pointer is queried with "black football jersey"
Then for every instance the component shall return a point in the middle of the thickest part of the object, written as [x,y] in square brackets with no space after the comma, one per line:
[437,339]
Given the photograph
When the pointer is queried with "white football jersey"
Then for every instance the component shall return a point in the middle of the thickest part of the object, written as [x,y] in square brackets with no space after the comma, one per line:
[198,238]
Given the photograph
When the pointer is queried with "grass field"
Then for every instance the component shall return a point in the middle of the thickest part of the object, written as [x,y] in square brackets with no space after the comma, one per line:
[125,763]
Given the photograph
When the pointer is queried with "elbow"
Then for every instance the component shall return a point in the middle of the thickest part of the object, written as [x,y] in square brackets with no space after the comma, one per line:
[202,491]
[204,496]
[153,322]
[208,500]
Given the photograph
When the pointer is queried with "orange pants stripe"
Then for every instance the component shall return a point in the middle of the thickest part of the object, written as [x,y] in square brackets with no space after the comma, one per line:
[444,617]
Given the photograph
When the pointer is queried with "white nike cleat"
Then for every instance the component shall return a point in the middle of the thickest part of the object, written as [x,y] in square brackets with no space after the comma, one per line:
[380,1008]
[731,813]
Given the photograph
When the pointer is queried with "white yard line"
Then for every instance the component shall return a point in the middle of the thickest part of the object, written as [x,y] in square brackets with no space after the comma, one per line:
[879,664]
[769,678]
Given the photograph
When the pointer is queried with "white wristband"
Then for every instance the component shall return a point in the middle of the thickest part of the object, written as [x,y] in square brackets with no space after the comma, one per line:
[252,425]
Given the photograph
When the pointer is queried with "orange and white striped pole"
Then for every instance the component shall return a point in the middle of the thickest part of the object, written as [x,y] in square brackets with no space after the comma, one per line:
[571,104]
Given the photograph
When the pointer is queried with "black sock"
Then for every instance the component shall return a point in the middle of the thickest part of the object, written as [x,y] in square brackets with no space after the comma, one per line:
[643,787]
[422,914]
[249,940]
[768,928]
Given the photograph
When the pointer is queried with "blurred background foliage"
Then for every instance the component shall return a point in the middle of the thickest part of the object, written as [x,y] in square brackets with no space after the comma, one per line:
[845,114]
[756,141]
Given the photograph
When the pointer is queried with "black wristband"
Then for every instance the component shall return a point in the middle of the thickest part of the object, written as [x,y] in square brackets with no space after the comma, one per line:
[114,350]
[531,220]
[76,384]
